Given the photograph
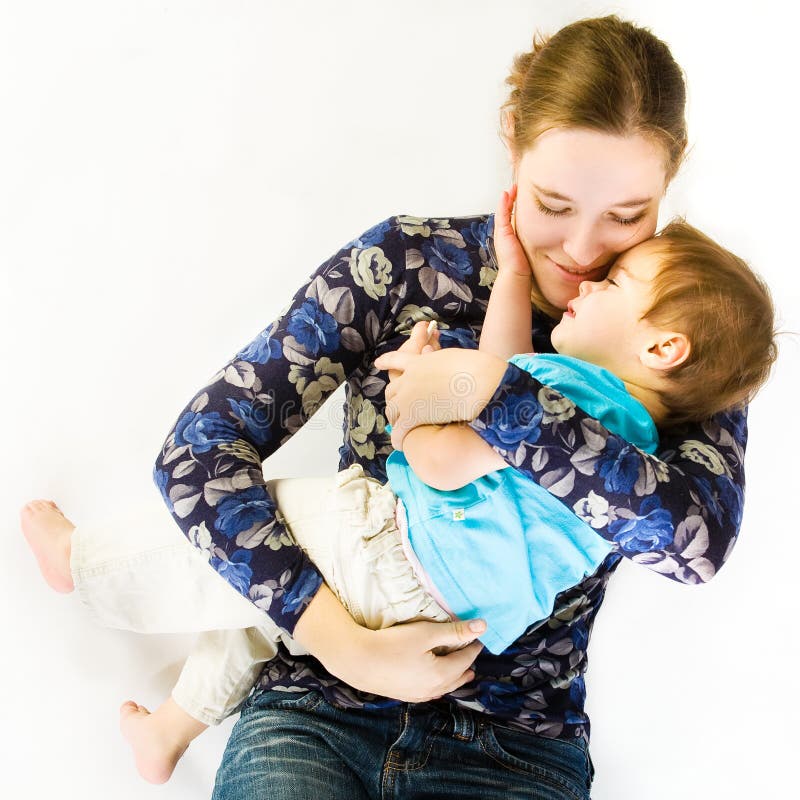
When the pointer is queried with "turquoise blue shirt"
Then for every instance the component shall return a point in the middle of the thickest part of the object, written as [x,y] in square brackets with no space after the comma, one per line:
[502,547]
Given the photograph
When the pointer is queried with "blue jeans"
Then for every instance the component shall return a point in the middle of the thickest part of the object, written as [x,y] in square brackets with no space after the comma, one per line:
[298,746]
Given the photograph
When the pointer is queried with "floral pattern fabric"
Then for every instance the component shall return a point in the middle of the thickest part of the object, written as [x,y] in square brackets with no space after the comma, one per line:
[676,512]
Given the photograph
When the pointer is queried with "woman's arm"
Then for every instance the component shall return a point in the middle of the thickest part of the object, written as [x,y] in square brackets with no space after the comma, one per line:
[209,471]
[400,662]
[677,512]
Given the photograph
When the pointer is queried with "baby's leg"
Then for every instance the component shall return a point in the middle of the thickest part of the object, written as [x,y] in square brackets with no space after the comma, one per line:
[158,739]
[347,526]
[214,682]
[49,535]
[222,668]
[137,572]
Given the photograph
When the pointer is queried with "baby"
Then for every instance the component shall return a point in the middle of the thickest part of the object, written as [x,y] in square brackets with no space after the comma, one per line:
[679,330]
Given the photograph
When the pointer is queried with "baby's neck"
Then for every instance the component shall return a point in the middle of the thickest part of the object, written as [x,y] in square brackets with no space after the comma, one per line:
[650,399]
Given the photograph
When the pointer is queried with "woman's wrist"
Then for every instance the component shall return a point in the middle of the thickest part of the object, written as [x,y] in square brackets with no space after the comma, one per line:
[328,632]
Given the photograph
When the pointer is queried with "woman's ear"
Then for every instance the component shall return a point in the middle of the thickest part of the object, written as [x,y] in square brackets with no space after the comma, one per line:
[665,350]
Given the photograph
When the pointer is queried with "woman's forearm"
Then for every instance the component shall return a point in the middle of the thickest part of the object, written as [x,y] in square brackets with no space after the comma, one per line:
[399,662]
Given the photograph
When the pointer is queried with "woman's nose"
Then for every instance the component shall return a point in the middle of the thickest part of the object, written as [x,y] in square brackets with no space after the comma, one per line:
[583,247]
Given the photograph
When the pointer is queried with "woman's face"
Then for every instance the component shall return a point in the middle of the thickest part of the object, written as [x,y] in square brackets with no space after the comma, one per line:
[584,197]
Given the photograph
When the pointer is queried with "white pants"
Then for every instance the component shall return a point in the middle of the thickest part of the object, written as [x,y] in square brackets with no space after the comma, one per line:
[143,575]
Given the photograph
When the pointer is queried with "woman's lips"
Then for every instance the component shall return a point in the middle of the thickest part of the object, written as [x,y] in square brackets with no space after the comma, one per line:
[573,276]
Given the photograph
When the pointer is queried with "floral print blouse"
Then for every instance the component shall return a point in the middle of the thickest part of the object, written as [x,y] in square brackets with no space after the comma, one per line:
[677,512]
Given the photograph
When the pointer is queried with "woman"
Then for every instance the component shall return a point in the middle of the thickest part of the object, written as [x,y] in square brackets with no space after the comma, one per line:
[595,130]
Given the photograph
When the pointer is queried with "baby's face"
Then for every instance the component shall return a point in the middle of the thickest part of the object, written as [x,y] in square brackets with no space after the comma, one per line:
[604,324]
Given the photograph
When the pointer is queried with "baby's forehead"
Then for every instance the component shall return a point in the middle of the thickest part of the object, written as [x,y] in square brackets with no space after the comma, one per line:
[641,262]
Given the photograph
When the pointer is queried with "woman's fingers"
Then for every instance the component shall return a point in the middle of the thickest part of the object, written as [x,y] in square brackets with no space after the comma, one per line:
[456,633]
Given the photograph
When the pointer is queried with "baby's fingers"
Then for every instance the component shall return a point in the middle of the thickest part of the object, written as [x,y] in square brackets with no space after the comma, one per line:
[505,204]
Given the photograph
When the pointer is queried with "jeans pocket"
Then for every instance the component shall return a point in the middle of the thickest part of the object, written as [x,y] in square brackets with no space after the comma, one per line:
[562,765]
[305,700]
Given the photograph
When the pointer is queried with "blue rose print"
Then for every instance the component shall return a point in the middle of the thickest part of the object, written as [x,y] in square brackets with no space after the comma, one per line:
[242,511]
[708,497]
[306,585]
[459,337]
[162,479]
[651,530]
[256,417]
[236,570]
[619,465]
[577,694]
[374,236]
[580,637]
[262,349]
[736,423]
[477,233]
[732,498]
[517,419]
[204,431]
[445,257]
[314,328]
[501,697]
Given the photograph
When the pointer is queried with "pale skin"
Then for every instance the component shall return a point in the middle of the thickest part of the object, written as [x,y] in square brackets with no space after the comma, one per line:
[558,253]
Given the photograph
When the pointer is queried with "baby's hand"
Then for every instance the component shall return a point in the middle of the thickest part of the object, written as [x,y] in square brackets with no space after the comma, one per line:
[424,338]
[510,255]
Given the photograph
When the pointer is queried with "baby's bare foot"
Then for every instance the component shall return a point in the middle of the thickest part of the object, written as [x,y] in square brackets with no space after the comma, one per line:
[158,739]
[49,535]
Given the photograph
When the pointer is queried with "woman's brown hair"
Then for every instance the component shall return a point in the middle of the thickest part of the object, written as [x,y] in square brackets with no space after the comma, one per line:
[604,75]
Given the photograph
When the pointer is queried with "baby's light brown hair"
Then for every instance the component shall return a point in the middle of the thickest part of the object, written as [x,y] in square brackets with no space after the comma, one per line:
[725,310]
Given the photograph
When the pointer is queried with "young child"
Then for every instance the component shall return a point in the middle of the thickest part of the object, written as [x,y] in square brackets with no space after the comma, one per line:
[679,330]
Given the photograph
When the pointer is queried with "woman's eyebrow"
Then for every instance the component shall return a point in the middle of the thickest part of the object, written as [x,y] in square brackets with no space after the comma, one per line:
[558,196]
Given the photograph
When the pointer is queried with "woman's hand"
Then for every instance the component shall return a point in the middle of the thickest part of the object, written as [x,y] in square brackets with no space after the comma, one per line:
[400,662]
[449,385]
[403,661]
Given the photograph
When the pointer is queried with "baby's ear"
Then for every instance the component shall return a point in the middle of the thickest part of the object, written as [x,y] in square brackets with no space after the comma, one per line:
[666,350]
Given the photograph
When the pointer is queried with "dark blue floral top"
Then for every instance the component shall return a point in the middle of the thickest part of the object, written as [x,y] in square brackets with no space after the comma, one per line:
[677,512]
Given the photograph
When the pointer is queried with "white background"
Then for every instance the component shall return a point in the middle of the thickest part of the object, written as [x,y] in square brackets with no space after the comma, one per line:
[170,172]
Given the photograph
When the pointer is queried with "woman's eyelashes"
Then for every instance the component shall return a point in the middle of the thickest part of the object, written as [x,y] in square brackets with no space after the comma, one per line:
[560,212]
[551,211]
[629,220]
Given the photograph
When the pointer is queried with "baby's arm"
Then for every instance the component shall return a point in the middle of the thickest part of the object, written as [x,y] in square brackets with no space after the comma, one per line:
[507,325]
[450,456]
[447,456]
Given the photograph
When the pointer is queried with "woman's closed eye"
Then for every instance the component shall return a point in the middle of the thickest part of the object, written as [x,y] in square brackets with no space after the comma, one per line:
[628,220]
[553,212]
[560,212]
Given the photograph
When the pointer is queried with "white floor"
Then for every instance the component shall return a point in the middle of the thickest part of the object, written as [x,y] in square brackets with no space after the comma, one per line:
[156,158]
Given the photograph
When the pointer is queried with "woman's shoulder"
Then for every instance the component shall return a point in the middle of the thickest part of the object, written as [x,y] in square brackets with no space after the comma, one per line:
[461,231]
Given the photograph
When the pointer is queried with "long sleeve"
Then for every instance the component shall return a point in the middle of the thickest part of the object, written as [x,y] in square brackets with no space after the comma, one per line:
[678,512]
[209,468]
